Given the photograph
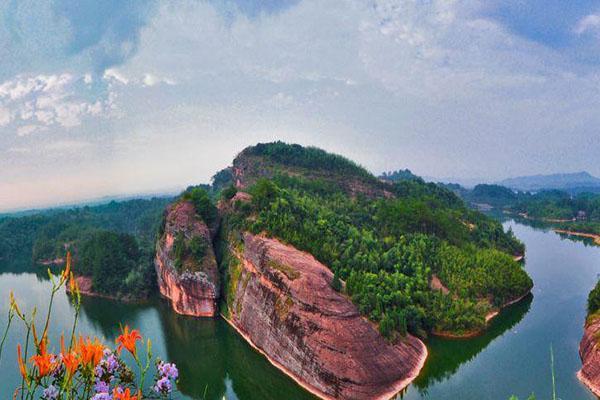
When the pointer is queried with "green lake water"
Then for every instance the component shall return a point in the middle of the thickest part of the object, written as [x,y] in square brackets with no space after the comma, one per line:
[513,357]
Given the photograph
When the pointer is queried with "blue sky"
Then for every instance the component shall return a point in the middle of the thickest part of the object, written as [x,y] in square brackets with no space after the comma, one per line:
[117,97]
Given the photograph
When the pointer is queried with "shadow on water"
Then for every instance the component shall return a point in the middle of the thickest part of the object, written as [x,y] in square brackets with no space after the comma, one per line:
[107,316]
[215,363]
[447,355]
[213,358]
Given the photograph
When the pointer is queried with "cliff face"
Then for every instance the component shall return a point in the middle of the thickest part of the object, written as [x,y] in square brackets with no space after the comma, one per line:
[187,276]
[281,301]
[589,352]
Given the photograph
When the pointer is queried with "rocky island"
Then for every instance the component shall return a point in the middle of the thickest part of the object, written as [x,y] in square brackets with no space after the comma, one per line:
[185,263]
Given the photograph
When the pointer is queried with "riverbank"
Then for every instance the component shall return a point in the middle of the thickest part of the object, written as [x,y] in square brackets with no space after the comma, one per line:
[594,237]
[488,318]
[84,284]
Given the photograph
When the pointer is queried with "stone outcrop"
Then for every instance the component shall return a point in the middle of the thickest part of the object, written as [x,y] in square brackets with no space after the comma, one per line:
[589,351]
[281,301]
[191,284]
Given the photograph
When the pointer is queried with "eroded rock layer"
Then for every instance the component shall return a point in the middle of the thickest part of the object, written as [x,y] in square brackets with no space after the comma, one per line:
[589,352]
[281,301]
[190,282]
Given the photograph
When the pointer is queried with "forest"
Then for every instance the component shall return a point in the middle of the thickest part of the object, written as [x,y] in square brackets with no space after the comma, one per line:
[113,243]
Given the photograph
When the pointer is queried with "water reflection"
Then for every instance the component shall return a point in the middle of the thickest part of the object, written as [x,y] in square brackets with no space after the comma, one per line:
[214,362]
[447,355]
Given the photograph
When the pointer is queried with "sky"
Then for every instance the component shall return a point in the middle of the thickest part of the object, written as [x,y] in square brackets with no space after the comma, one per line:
[118,97]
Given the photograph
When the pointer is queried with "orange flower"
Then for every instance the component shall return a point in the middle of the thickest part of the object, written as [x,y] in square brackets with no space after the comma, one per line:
[42,360]
[127,339]
[44,363]
[70,359]
[73,287]
[67,270]
[124,395]
[22,367]
[90,351]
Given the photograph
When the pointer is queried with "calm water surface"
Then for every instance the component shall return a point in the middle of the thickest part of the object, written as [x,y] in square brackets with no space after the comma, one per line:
[513,357]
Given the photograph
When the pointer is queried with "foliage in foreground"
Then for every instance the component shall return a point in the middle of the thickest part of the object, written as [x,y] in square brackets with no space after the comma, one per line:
[84,368]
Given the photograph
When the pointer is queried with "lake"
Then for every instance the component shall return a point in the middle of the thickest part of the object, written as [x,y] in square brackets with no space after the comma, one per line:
[512,357]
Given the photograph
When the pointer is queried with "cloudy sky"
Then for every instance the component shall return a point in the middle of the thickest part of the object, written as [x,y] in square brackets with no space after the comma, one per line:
[116,97]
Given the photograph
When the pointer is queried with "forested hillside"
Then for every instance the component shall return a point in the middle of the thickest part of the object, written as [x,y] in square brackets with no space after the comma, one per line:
[112,243]
[580,212]
[386,242]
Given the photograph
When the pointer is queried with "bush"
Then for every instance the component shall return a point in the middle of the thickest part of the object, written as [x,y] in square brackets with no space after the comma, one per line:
[594,299]
[204,207]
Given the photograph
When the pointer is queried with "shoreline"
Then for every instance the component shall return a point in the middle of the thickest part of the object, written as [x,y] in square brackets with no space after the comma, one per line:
[593,236]
[84,285]
[397,387]
[488,318]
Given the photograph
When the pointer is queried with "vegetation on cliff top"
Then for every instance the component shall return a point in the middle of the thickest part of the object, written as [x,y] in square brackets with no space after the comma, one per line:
[386,249]
[594,300]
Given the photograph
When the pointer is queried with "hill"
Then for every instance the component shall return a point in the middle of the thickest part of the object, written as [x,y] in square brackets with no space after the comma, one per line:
[577,182]
[386,240]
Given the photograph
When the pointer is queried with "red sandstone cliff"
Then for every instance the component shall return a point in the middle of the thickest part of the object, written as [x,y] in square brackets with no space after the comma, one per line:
[281,301]
[193,285]
[589,351]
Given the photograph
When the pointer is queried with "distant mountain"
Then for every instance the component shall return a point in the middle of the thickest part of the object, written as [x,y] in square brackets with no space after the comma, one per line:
[573,182]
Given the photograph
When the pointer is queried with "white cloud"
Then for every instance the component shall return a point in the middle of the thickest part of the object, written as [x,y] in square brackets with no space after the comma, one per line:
[114,75]
[47,100]
[588,23]
[152,80]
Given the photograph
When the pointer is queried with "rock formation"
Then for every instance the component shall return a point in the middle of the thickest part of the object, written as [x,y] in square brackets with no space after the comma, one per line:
[281,301]
[190,281]
[589,352]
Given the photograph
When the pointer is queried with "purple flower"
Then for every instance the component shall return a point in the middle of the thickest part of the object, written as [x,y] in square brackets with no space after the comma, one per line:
[101,387]
[50,393]
[163,385]
[167,370]
[57,360]
[106,369]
